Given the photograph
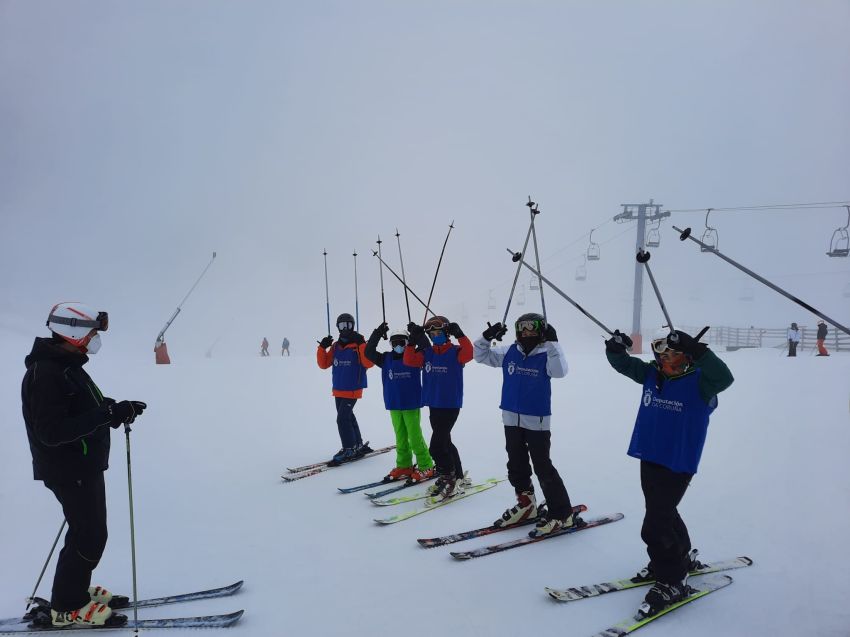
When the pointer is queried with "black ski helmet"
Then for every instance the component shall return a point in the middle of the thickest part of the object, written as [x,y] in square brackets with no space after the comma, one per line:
[540,322]
[345,317]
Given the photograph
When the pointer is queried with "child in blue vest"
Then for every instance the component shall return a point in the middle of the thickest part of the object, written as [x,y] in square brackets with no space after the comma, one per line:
[403,399]
[348,358]
[680,390]
[442,392]
[528,366]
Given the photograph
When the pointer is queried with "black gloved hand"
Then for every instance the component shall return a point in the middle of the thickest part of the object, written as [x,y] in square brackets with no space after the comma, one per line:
[550,334]
[686,344]
[494,332]
[383,329]
[417,335]
[125,412]
[454,330]
[326,342]
[618,343]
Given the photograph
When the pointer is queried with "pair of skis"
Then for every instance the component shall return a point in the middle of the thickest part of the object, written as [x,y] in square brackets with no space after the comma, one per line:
[36,620]
[400,484]
[431,505]
[307,470]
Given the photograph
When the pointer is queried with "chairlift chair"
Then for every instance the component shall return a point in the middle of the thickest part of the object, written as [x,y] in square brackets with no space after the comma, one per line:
[839,246]
[592,249]
[709,236]
[581,272]
[491,301]
[520,296]
[534,283]
[653,236]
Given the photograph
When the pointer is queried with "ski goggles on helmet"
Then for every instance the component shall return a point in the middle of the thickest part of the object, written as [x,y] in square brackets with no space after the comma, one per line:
[345,325]
[532,325]
[101,322]
[660,345]
[434,326]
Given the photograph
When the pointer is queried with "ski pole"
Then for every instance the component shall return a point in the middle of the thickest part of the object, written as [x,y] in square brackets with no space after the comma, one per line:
[434,282]
[381,271]
[643,257]
[532,206]
[327,297]
[686,234]
[132,530]
[356,297]
[406,287]
[31,598]
[161,337]
[535,211]
[403,278]
[517,256]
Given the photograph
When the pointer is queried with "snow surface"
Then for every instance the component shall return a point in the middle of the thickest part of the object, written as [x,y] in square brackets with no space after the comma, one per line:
[210,507]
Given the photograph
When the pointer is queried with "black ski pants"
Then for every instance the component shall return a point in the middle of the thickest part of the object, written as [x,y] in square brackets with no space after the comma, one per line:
[442,449]
[524,444]
[792,347]
[346,423]
[84,505]
[664,532]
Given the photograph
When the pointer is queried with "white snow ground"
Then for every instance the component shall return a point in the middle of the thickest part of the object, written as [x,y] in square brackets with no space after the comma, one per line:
[210,507]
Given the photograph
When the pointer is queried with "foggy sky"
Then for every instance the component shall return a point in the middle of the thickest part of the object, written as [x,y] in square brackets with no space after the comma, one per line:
[137,138]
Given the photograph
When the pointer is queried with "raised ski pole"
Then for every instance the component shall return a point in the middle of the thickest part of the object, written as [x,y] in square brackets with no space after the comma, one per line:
[643,257]
[530,204]
[406,287]
[403,278]
[381,271]
[356,297]
[517,257]
[686,234]
[31,598]
[434,282]
[327,297]
[534,211]
[161,337]
[127,431]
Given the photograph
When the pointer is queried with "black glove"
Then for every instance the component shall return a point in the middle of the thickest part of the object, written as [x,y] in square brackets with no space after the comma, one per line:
[454,330]
[326,342]
[417,335]
[125,412]
[681,342]
[550,334]
[494,332]
[618,343]
[383,329]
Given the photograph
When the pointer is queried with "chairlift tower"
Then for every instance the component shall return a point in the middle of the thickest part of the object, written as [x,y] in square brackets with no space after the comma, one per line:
[642,212]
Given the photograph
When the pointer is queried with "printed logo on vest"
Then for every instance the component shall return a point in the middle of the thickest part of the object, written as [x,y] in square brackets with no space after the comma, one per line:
[390,374]
[511,368]
[427,368]
[647,397]
[336,363]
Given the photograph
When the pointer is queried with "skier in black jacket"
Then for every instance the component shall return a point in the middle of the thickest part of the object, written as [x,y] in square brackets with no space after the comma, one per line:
[68,420]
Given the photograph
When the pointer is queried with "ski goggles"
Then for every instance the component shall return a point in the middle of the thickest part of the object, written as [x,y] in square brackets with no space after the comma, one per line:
[100,323]
[434,327]
[660,345]
[533,325]
[345,325]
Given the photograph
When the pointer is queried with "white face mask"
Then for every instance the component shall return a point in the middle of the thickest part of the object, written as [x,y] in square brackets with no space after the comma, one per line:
[94,344]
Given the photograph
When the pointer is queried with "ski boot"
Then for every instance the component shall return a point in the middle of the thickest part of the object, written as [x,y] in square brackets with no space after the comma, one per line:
[451,488]
[663,595]
[466,481]
[549,525]
[420,475]
[103,596]
[93,614]
[346,454]
[361,449]
[435,488]
[525,507]
[399,473]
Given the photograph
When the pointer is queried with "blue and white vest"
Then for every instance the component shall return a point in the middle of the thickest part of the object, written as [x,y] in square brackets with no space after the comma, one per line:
[402,384]
[526,385]
[442,379]
[348,374]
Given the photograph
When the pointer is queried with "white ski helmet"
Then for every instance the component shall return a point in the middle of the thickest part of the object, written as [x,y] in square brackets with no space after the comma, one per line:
[400,334]
[74,322]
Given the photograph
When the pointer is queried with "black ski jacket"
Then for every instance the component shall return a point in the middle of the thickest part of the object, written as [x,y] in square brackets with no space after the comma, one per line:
[66,416]
[822,331]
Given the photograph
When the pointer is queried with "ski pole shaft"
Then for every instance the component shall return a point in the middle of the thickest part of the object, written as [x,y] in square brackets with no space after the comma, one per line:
[643,257]
[403,277]
[406,287]
[439,262]
[46,562]
[530,204]
[381,271]
[327,296]
[534,212]
[132,530]
[686,234]
[558,291]
[356,296]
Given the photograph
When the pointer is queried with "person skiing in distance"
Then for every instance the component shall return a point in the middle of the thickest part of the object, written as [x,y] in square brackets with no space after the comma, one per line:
[821,338]
[442,392]
[284,347]
[528,367]
[347,356]
[264,347]
[680,390]
[403,399]
[68,421]
[793,335]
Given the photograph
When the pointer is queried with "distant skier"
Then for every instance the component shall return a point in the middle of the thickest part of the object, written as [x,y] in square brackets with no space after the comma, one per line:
[264,347]
[347,356]
[528,366]
[821,338]
[403,399]
[680,390]
[284,347]
[68,421]
[793,335]
[442,392]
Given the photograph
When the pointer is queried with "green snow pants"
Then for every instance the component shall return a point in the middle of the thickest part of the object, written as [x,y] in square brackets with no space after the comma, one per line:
[409,439]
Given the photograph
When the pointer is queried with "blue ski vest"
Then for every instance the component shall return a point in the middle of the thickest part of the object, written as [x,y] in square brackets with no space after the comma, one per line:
[526,386]
[671,425]
[348,374]
[442,380]
[402,384]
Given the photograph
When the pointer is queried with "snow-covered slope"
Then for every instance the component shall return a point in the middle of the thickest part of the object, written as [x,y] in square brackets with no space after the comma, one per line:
[210,507]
